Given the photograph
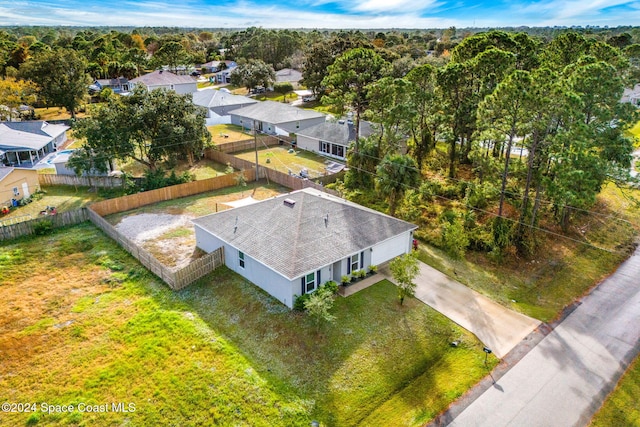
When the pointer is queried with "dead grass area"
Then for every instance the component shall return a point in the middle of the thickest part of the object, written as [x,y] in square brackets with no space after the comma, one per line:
[165,230]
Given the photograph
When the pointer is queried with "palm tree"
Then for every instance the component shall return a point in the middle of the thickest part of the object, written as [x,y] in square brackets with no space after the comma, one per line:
[394,175]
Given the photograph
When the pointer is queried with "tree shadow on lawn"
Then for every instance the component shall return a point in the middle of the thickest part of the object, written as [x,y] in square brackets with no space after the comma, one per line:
[349,369]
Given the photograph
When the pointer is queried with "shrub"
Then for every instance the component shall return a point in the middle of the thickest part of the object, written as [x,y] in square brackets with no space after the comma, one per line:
[299,302]
[345,280]
[479,195]
[43,227]
[373,269]
[454,238]
[330,286]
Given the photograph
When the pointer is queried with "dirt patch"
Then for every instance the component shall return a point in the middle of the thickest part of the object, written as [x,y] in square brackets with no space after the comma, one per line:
[170,238]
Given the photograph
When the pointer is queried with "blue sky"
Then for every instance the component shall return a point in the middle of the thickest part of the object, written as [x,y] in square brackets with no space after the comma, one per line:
[321,13]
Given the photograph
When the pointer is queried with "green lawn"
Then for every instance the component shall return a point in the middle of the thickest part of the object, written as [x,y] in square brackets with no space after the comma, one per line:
[621,407]
[63,197]
[282,160]
[232,132]
[220,352]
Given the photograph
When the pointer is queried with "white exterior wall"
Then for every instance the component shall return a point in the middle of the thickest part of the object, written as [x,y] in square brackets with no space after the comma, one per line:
[180,88]
[391,248]
[271,282]
[313,144]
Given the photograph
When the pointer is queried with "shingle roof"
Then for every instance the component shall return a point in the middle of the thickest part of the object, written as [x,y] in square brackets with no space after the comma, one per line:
[161,78]
[214,98]
[4,172]
[288,75]
[275,112]
[296,240]
[31,135]
[339,133]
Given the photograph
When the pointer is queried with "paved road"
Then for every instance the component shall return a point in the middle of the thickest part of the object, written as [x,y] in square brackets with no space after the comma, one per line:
[565,378]
[499,328]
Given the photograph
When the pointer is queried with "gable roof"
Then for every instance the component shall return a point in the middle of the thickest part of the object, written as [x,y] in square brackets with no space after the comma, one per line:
[288,75]
[4,172]
[275,112]
[30,135]
[295,240]
[163,78]
[342,132]
[211,98]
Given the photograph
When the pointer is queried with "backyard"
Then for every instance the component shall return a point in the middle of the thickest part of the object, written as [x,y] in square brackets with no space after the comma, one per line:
[63,197]
[220,352]
[164,229]
[283,159]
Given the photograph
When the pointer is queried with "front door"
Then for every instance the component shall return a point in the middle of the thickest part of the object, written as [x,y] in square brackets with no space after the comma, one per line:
[337,271]
[25,190]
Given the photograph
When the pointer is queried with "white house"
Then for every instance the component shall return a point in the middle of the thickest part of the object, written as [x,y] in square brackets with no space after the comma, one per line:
[331,138]
[275,118]
[167,80]
[220,103]
[289,75]
[632,95]
[25,143]
[291,244]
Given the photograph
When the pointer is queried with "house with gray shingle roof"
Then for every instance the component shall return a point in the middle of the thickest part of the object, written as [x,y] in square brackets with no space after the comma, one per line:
[332,138]
[25,143]
[161,79]
[275,118]
[291,244]
[220,103]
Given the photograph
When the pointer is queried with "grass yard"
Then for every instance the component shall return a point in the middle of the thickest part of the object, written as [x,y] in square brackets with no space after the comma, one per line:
[282,160]
[621,407]
[85,323]
[63,197]
[562,271]
[202,169]
[233,132]
[56,113]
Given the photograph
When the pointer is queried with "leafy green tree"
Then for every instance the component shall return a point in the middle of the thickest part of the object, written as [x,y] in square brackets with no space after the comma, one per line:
[84,161]
[253,73]
[61,77]
[389,107]
[404,270]
[283,88]
[348,80]
[454,238]
[395,174]
[319,305]
[147,127]
[425,117]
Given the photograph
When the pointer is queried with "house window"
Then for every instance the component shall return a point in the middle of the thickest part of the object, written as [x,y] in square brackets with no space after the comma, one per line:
[324,147]
[241,259]
[171,87]
[310,282]
[15,191]
[355,262]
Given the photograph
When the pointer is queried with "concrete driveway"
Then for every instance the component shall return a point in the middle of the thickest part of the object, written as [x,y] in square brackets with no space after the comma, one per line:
[565,378]
[499,328]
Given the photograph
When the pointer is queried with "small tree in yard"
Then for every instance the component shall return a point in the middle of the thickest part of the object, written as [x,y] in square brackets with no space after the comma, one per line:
[241,180]
[283,88]
[318,306]
[404,269]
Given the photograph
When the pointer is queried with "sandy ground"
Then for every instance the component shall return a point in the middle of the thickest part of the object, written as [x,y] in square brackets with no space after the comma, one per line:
[153,232]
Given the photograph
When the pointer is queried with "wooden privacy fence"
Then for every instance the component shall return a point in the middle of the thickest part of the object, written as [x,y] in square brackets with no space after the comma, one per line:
[27,228]
[249,144]
[83,181]
[289,181]
[176,279]
[133,201]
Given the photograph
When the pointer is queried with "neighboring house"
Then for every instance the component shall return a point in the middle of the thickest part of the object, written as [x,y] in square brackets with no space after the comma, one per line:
[220,103]
[224,76]
[275,118]
[632,96]
[215,66]
[25,143]
[16,183]
[119,85]
[289,75]
[291,244]
[60,160]
[164,79]
[332,138]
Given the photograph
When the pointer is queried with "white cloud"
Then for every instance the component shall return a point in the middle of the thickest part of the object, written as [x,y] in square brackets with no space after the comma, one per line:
[392,6]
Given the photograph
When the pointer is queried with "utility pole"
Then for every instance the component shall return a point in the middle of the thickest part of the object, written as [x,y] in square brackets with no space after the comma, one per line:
[255,143]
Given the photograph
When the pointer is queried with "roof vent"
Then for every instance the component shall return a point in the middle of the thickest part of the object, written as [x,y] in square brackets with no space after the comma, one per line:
[289,202]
